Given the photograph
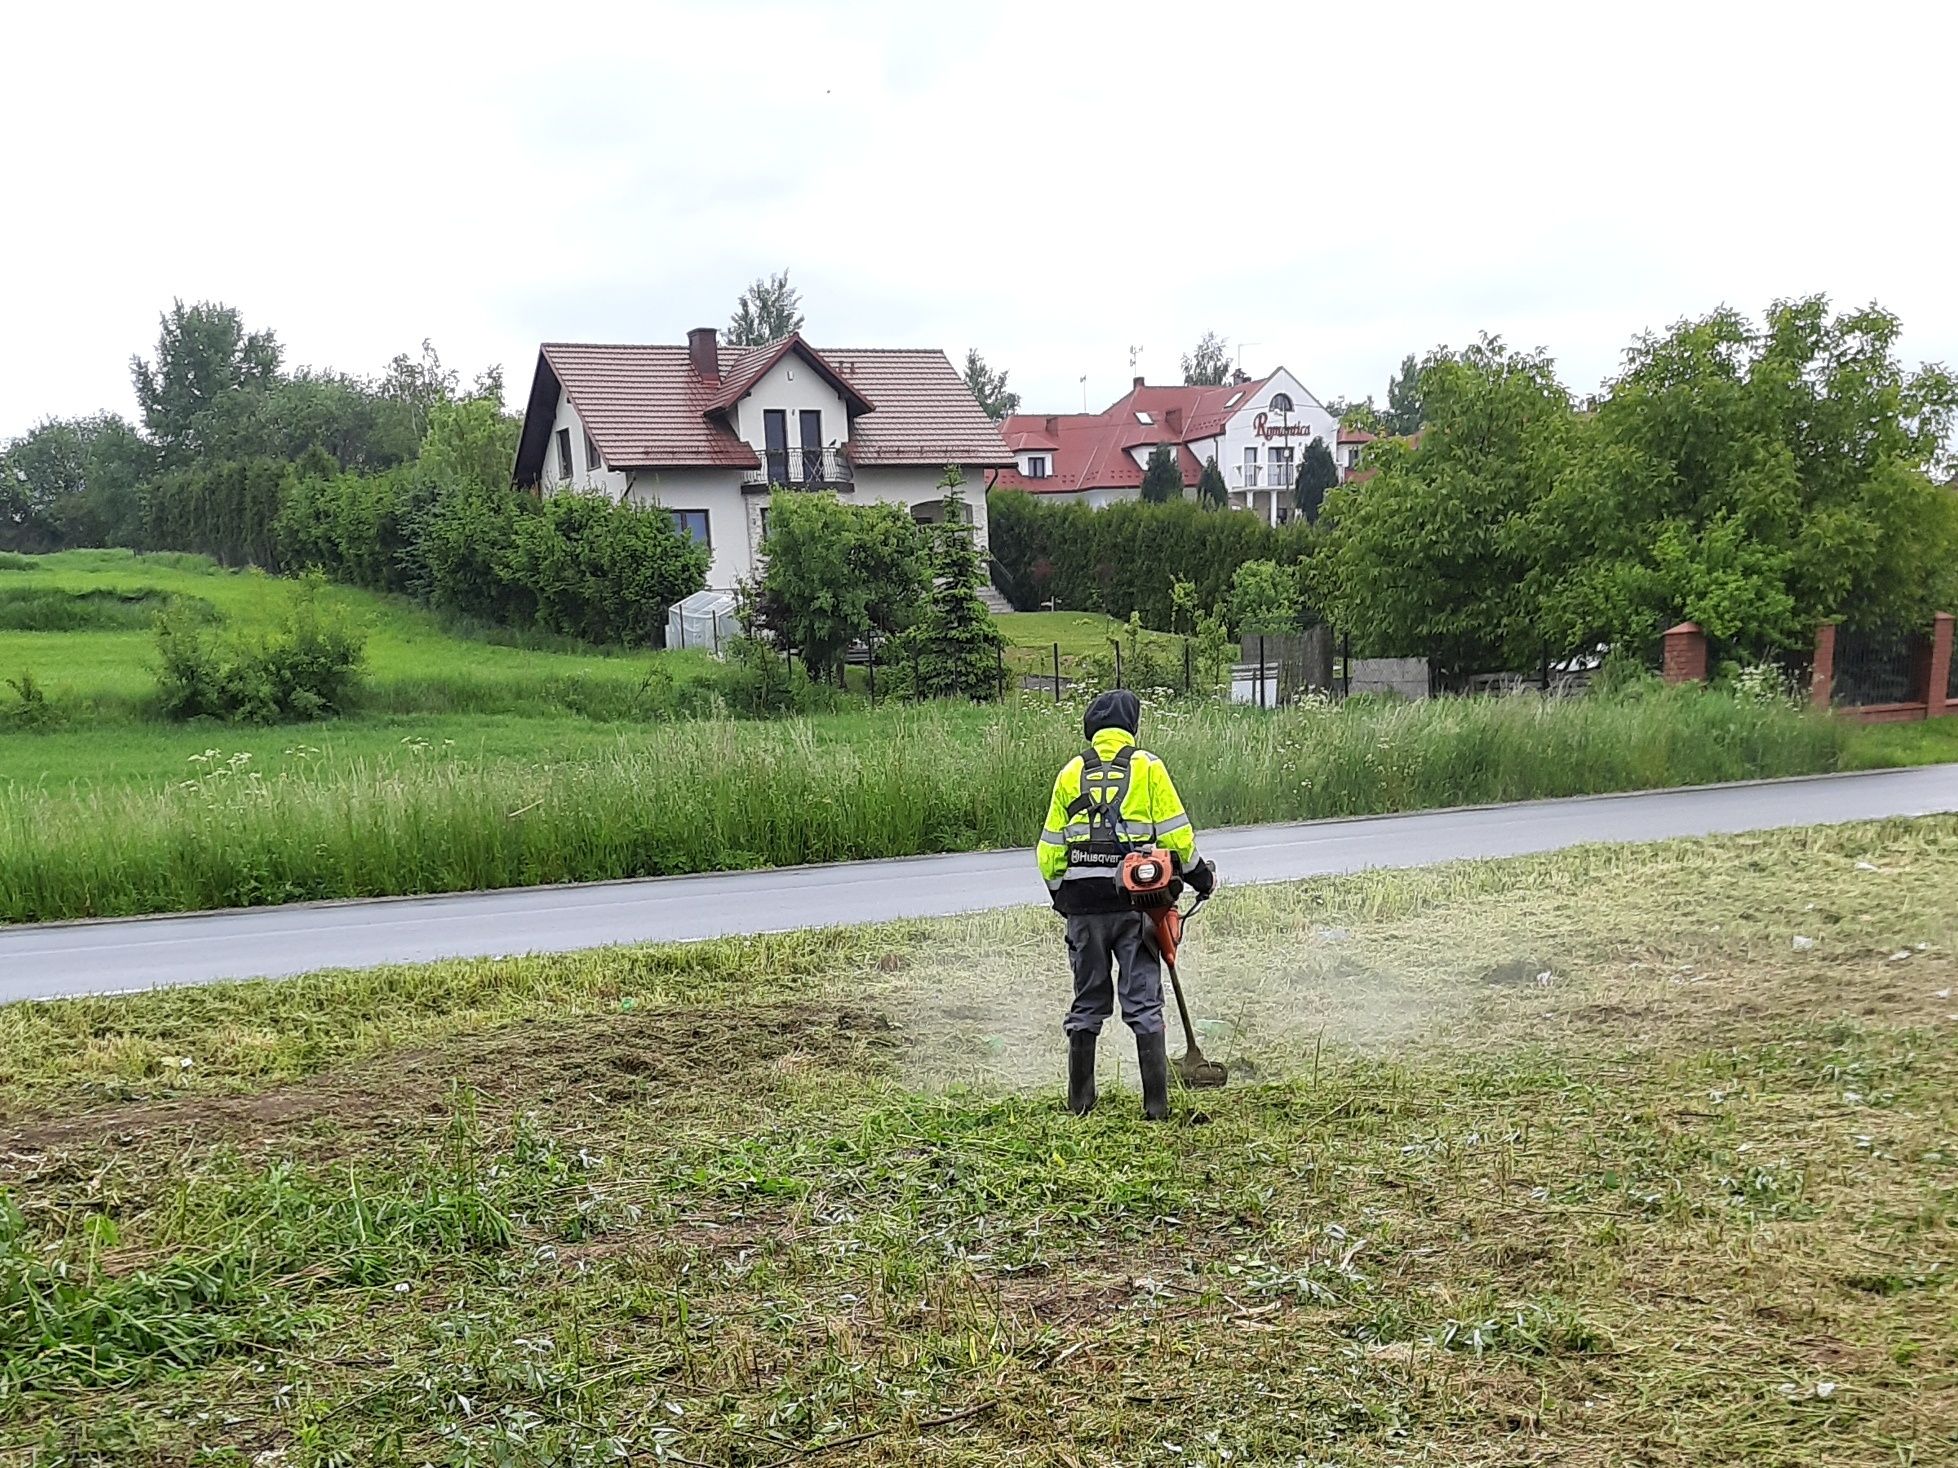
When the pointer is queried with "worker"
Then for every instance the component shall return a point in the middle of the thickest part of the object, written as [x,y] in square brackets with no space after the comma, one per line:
[1110,800]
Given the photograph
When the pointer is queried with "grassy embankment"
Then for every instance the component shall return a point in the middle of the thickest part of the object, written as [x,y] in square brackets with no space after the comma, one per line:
[1578,1158]
[313,821]
[79,624]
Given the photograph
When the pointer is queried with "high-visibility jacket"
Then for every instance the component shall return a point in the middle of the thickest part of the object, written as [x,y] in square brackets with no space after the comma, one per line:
[1130,805]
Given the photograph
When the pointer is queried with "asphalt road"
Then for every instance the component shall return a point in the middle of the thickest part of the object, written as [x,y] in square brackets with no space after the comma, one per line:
[47,960]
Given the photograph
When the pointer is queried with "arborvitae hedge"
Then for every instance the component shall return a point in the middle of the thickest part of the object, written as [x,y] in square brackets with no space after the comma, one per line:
[1123,559]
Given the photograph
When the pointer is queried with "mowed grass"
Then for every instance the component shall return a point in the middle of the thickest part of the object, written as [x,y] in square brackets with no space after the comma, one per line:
[417,662]
[1031,638]
[1575,1159]
[329,821]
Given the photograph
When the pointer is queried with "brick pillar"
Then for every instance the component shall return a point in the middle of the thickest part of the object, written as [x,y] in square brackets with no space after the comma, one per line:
[1822,681]
[1939,678]
[1685,654]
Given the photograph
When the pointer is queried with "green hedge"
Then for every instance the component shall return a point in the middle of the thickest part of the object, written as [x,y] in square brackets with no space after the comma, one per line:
[1123,559]
[575,564]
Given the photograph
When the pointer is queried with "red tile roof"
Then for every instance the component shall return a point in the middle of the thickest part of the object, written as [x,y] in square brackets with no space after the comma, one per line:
[648,407]
[1092,450]
[738,383]
[1355,435]
[925,413]
[641,405]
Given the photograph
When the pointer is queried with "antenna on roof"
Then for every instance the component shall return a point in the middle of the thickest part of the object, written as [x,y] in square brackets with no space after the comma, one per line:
[1134,354]
[1084,392]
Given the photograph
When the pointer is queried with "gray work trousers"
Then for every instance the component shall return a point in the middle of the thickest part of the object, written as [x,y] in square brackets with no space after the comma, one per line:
[1099,942]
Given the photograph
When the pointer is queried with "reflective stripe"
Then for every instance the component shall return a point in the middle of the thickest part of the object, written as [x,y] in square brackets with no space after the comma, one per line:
[1076,832]
[1052,838]
[1174,823]
[1054,884]
[1076,874]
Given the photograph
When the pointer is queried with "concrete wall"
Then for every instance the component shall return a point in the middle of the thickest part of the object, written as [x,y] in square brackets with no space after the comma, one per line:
[1402,677]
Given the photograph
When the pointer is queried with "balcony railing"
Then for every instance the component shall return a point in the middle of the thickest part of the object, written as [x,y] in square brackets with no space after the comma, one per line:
[801,469]
[1249,474]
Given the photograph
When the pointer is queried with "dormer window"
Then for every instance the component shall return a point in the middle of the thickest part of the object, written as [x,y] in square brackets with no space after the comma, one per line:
[1036,466]
[1281,402]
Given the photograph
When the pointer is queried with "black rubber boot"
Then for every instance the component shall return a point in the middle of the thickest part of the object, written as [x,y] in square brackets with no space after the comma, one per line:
[1080,1073]
[1152,1059]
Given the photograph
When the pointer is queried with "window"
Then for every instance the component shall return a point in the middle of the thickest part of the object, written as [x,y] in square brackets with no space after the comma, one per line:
[593,464]
[1232,400]
[693,525]
[1251,466]
[564,454]
[1143,418]
[1036,466]
[1352,458]
[1281,402]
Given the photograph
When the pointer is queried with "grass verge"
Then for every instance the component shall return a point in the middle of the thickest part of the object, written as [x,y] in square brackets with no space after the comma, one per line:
[685,797]
[1577,1158]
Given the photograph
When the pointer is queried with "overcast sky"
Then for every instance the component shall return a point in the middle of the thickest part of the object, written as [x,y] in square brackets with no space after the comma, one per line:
[1330,186]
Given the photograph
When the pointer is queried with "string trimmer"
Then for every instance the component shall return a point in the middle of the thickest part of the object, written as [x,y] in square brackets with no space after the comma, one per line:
[1151,874]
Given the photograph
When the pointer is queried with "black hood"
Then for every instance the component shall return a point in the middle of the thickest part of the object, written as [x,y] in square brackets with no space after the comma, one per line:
[1115,709]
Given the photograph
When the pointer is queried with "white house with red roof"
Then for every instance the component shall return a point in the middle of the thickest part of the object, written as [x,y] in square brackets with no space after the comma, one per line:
[1256,429]
[711,435]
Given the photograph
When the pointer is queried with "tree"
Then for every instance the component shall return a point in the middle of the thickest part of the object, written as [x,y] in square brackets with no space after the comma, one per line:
[988,387]
[1210,364]
[1212,492]
[954,646]
[203,353]
[1264,598]
[1162,479]
[1757,482]
[1433,555]
[1357,413]
[74,482]
[834,574]
[1318,472]
[471,443]
[416,385]
[767,311]
[1404,413]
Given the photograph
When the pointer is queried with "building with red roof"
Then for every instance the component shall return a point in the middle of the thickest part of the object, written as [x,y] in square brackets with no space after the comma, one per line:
[1256,429]
[711,435]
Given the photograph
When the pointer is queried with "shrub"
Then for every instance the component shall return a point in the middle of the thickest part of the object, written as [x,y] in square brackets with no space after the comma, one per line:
[31,709]
[1122,559]
[307,667]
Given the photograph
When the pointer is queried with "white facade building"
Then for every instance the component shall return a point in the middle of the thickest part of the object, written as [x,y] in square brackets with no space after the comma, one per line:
[711,437]
[1257,430]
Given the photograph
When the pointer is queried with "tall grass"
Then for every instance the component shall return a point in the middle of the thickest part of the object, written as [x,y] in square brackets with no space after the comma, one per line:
[719,795]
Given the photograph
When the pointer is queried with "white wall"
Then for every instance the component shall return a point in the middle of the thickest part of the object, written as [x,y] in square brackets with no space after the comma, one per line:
[792,385]
[605,481]
[718,492]
[911,485]
[1308,418]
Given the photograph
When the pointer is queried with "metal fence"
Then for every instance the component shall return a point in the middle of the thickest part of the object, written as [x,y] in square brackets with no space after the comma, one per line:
[1877,669]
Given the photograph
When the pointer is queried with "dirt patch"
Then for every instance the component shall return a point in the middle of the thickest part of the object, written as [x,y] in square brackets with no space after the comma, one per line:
[612,1059]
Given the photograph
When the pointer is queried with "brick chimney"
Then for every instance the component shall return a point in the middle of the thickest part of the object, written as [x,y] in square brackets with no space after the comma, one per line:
[704,347]
[1173,419]
[1138,382]
[1053,424]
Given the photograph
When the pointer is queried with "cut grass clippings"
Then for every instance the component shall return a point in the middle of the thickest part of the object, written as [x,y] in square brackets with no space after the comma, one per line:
[1574,1158]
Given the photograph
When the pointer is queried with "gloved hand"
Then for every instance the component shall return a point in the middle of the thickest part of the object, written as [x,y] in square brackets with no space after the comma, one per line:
[1202,878]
